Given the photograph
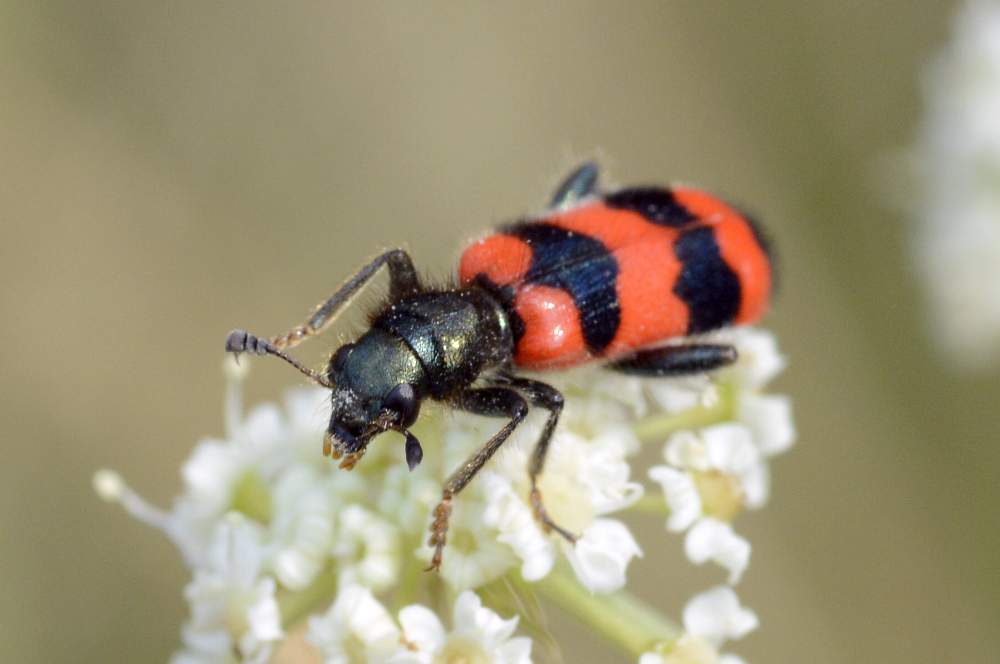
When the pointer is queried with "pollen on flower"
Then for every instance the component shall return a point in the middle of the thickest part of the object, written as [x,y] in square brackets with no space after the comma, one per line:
[721,494]
[461,650]
[250,496]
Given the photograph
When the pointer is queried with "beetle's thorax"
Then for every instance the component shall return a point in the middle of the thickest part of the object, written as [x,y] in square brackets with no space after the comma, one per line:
[455,335]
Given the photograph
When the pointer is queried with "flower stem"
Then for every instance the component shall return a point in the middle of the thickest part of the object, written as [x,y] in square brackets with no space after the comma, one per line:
[409,581]
[659,426]
[654,505]
[622,618]
[295,606]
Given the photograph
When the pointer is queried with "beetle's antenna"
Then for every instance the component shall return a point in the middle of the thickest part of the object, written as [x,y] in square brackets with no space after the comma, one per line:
[239,341]
[315,376]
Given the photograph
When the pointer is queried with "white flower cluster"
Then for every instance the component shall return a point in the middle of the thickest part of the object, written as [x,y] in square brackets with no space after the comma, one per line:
[357,628]
[275,533]
[957,154]
[710,618]
[714,472]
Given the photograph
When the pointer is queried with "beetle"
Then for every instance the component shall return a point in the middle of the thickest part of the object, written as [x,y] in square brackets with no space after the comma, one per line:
[625,278]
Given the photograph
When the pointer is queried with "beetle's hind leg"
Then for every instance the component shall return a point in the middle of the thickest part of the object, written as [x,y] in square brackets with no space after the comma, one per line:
[579,184]
[491,402]
[680,360]
[544,396]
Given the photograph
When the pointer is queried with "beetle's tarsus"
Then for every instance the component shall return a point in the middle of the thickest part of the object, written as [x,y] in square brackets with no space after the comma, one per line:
[439,532]
[548,525]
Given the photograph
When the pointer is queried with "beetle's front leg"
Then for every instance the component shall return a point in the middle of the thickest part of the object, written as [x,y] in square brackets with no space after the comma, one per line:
[491,402]
[403,280]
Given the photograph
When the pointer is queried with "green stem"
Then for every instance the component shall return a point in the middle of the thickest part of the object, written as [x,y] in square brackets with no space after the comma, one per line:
[622,618]
[410,577]
[654,505]
[297,605]
[658,427]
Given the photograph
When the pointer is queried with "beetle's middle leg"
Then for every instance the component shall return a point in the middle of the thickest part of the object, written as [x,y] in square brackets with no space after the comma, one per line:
[491,402]
[579,184]
[544,396]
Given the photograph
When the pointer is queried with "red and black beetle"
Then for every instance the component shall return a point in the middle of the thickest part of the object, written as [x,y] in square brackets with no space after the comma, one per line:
[609,277]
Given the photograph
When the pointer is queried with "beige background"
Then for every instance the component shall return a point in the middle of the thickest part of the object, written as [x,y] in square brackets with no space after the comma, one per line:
[171,170]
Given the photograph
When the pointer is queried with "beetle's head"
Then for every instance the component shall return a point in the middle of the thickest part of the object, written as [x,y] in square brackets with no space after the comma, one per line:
[374,390]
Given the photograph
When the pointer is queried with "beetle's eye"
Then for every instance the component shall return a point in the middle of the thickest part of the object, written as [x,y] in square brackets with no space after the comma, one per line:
[340,357]
[403,400]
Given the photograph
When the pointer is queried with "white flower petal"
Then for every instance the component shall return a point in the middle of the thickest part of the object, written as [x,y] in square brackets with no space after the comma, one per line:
[301,530]
[759,359]
[604,474]
[681,494]
[407,497]
[730,448]
[356,619]
[307,409]
[264,616]
[264,424]
[674,395]
[470,617]
[602,554]
[236,549]
[422,627]
[512,517]
[208,472]
[716,615]
[478,635]
[727,658]
[711,539]
[515,651]
[366,548]
[688,649]
[685,449]
[756,484]
[770,419]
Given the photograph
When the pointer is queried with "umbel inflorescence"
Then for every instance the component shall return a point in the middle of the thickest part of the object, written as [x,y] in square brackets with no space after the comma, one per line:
[956,202]
[284,546]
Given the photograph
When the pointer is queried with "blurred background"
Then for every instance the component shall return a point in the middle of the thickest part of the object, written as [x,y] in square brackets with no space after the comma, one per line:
[169,171]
